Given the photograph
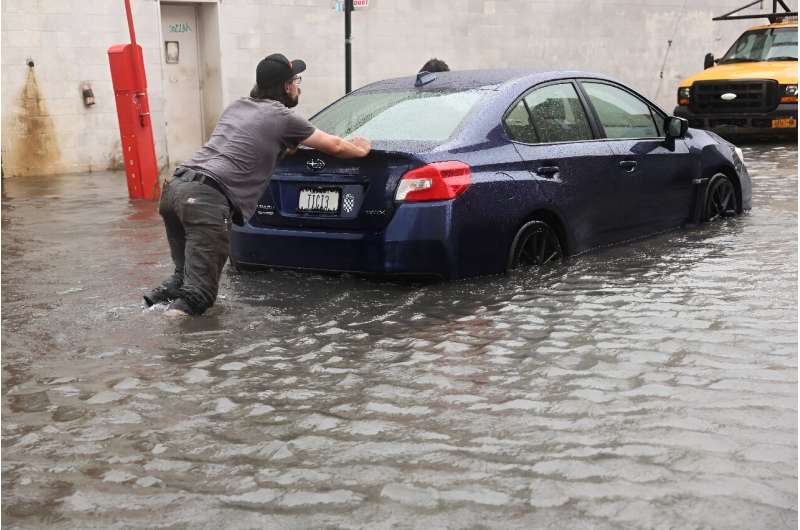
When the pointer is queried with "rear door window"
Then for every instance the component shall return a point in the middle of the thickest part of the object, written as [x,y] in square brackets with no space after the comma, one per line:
[519,126]
[621,114]
[549,114]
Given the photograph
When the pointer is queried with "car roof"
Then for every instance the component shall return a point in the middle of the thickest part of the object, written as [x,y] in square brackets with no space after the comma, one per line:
[479,79]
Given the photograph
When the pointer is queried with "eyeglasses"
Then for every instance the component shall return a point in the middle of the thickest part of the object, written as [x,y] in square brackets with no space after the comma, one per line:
[297,79]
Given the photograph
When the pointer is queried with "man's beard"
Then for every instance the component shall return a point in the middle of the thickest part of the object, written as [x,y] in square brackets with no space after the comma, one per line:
[292,101]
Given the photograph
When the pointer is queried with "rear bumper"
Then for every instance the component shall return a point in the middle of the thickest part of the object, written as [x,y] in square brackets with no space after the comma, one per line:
[752,125]
[416,242]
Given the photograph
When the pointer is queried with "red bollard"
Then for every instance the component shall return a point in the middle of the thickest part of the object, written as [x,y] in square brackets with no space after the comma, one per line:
[133,111]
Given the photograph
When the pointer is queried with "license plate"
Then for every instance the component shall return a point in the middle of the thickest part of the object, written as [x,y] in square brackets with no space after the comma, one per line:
[318,200]
[784,123]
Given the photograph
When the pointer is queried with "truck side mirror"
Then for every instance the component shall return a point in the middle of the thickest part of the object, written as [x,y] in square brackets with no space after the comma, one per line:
[675,127]
[709,61]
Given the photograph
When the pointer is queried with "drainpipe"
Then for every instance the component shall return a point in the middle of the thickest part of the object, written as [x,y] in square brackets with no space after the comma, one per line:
[348,9]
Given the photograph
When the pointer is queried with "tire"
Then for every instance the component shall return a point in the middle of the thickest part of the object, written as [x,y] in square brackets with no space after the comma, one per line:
[721,200]
[536,245]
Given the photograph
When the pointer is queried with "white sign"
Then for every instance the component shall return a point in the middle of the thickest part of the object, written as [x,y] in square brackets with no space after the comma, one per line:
[338,5]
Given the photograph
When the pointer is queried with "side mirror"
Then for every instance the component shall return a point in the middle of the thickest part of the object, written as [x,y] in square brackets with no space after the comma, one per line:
[708,62]
[675,127]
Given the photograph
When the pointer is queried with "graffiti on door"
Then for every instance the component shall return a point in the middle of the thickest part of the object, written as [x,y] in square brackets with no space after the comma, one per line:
[180,27]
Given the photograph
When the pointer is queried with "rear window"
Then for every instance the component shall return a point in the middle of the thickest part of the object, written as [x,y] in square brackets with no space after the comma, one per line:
[399,115]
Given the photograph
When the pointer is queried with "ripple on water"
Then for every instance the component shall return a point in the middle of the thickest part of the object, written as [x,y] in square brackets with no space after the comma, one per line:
[648,385]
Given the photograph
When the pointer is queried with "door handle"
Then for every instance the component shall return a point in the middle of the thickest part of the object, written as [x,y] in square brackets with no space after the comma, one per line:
[547,171]
[629,165]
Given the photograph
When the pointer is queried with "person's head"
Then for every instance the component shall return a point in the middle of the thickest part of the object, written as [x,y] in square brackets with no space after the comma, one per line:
[435,65]
[277,78]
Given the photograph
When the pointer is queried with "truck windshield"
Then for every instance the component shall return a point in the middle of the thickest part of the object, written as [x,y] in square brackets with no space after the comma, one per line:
[764,45]
[399,115]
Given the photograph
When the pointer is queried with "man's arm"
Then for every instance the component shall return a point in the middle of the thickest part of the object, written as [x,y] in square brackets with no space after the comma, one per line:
[333,145]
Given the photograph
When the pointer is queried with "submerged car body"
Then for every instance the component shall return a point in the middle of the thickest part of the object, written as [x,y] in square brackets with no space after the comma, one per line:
[470,171]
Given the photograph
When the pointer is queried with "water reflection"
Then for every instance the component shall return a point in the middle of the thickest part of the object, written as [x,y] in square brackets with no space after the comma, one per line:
[638,385]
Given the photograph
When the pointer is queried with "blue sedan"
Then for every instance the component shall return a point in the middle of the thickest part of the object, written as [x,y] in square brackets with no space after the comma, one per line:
[478,172]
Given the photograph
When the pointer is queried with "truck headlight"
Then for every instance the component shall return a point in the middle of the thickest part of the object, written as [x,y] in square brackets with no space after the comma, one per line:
[683,95]
[789,94]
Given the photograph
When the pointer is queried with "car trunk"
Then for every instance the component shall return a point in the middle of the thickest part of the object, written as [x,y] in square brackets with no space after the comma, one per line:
[313,190]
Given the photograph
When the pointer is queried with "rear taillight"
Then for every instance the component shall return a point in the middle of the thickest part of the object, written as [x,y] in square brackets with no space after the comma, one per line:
[438,181]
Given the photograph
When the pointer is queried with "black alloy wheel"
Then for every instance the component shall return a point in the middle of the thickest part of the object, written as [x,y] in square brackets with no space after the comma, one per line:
[720,199]
[537,245]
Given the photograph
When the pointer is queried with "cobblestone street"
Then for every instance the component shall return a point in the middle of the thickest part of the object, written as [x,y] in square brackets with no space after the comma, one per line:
[650,385]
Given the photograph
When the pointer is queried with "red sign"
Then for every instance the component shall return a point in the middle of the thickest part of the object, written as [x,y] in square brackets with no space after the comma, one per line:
[338,5]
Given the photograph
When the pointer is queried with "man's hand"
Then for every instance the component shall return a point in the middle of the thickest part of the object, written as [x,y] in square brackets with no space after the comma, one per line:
[333,145]
[361,143]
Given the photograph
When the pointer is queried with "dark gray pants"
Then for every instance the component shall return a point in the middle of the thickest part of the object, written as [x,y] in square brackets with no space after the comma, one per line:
[197,218]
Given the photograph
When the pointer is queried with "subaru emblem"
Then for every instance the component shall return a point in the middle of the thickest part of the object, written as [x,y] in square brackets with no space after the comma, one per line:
[729,96]
[315,164]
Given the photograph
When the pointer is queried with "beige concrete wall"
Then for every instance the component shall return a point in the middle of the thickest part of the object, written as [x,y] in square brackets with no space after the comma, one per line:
[46,129]
[628,39]
[210,53]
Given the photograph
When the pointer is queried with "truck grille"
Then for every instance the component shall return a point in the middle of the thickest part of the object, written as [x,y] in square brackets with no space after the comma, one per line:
[751,96]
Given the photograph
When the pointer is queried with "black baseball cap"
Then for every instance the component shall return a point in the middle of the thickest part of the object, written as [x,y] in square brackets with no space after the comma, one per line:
[276,69]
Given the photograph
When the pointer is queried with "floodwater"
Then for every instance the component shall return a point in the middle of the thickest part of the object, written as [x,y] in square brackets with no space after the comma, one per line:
[652,385]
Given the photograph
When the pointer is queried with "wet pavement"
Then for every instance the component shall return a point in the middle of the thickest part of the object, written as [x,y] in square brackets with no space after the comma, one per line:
[647,386]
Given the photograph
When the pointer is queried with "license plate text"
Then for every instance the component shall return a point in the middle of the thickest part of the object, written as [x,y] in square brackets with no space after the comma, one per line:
[318,200]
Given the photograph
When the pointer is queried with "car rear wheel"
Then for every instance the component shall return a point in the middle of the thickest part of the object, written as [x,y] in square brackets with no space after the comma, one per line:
[721,198]
[536,245]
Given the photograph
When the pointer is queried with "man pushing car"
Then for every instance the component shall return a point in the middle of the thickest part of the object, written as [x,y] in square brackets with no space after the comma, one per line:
[225,179]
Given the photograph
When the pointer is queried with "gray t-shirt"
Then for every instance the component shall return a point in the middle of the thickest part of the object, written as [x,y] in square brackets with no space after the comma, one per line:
[250,137]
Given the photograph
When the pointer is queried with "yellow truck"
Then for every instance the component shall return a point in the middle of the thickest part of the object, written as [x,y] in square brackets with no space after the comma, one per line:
[752,89]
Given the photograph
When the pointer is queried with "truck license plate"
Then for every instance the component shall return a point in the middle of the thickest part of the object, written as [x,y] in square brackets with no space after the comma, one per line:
[784,123]
[318,200]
